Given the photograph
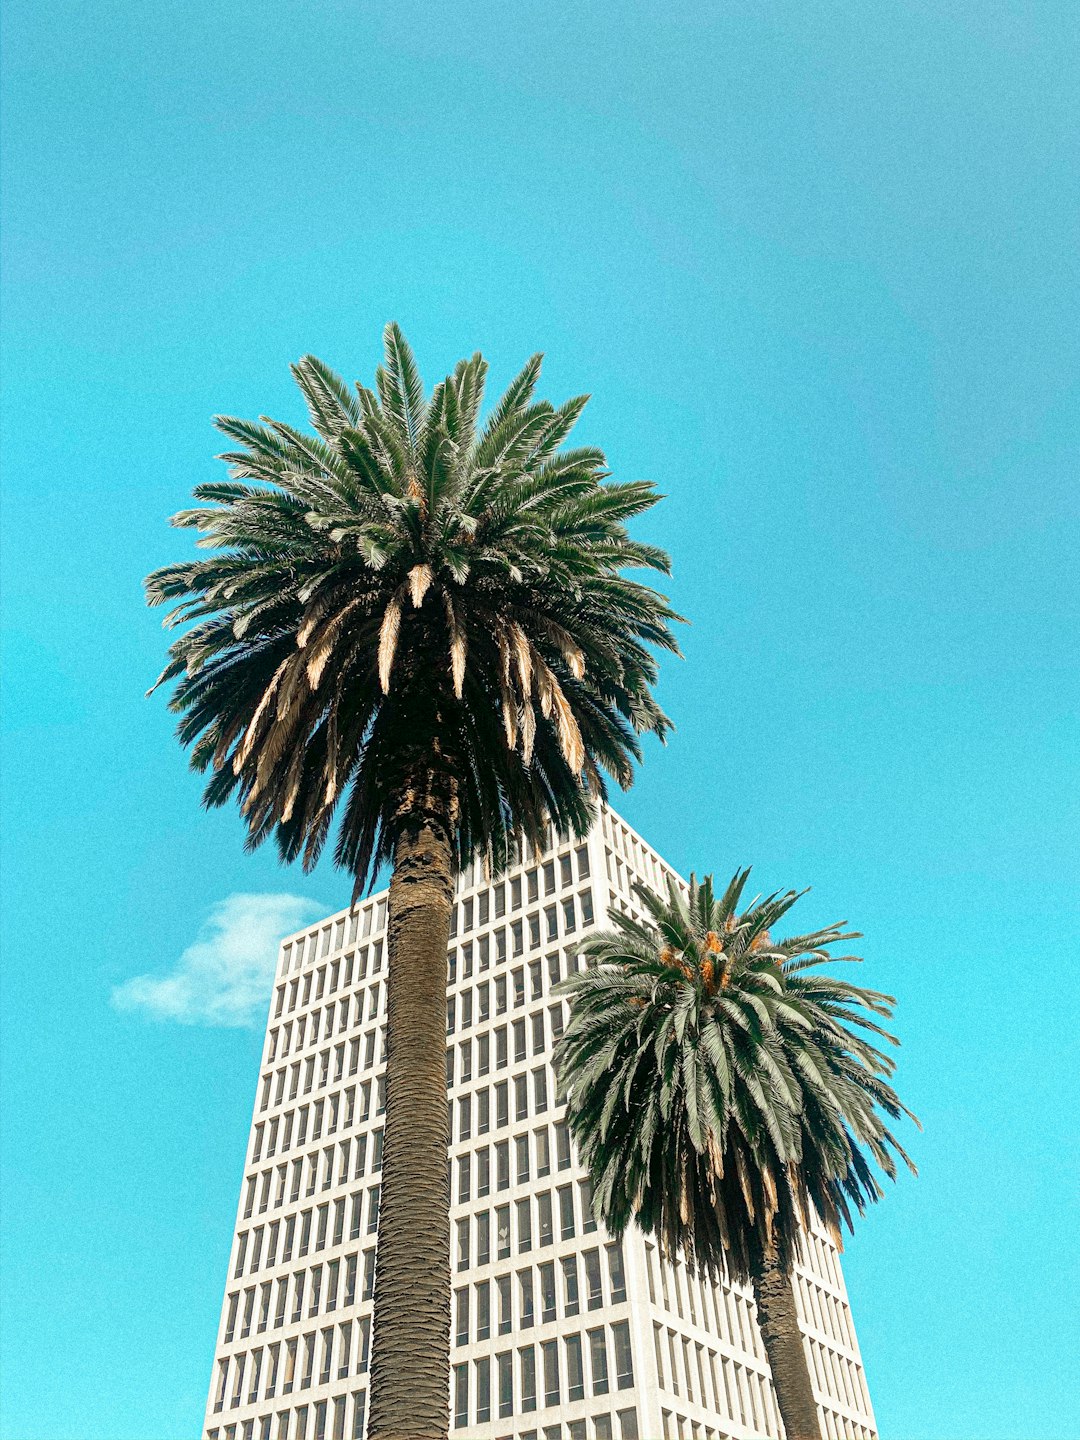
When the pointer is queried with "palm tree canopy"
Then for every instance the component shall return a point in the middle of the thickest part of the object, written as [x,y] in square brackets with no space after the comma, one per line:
[409,598]
[719,1083]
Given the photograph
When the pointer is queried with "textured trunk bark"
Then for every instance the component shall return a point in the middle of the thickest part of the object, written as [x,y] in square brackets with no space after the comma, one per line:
[779,1322]
[410,1363]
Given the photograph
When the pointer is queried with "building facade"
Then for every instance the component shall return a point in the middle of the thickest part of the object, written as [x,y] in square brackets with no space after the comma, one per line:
[557,1333]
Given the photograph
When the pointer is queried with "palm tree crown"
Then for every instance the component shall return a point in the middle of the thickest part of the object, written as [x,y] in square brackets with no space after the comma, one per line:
[718,1083]
[408,600]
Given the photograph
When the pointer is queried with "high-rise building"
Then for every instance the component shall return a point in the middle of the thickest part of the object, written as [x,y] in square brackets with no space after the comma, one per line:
[557,1333]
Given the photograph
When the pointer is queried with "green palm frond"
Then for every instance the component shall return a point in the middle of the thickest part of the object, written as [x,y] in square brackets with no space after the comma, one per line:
[412,596]
[716,1087]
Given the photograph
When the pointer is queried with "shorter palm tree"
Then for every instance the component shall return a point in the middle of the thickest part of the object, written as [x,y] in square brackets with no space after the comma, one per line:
[721,1089]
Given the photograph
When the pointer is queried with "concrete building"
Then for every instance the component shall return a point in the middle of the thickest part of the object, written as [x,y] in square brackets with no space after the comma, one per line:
[556,1332]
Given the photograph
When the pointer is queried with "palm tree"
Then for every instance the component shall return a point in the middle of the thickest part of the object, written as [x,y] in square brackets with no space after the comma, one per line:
[721,1089]
[420,625]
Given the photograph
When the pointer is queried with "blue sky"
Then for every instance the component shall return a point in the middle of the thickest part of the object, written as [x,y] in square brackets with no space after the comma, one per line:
[817,264]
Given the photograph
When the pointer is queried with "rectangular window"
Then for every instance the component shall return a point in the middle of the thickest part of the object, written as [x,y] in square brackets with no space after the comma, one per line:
[588,1219]
[502,1232]
[598,1361]
[524,1225]
[465,1117]
[483,1237]
[517,934]
[521,1097]
[483,1171]
[624,1364]
[518,978]
[570,1284]
[543,1151]
[521,1159]
[463,1244]
[547,1292]
[526,1311]
[566,1212]
[527,1359]
[461,1316]
[538,1033]
[575,1370]
[546,1225]
[483,1390]
[464,1189]
[502,1290]
[505,1363]
[550,1353]
[483,1111]
[593,1287]
[483,1055]
[502,1165]
[519,1040]
[483,1310]
[616,1274]
[562,1145]
[461,1396]
[369,1275]
[540,1093]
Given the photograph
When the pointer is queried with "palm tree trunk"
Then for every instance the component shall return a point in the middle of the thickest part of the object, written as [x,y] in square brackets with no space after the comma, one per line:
[779,1323]
[410,1363]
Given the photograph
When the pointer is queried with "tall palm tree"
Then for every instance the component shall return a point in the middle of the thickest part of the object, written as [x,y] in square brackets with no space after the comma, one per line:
[419,624]
[721,1089]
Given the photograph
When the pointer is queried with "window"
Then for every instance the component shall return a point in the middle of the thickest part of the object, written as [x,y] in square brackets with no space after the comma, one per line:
[550,1353]
[505,1363]
[521,1158]
[461,1396]
[547,1292]
[483,1054]
[500,1048]
[566,1212]
[502,1290]
[582,856]
[540,1095]
[524,1225]
[461,1316]
[598,1361]
[519,1040]
[521,1097]
[483,1171]
[369,1274]
[616,1274]
[463,1244]
[502,1232]
[483,1237]
[546,1226]
[570,1284]
[538,1033]
[624,1364]
[483,1390]
[575,1372]
[526,1312]
[562,1145]
[465,1117]
[502,1165]
[464,1189]
[593,1286]
[483,1111]
[483,1310]
[588,1220]
[527,1358]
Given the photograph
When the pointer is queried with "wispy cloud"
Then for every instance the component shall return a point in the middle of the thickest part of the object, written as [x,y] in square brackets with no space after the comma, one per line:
[225,977]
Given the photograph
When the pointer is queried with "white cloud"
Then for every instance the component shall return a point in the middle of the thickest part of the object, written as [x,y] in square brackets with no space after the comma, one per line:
[225,977]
